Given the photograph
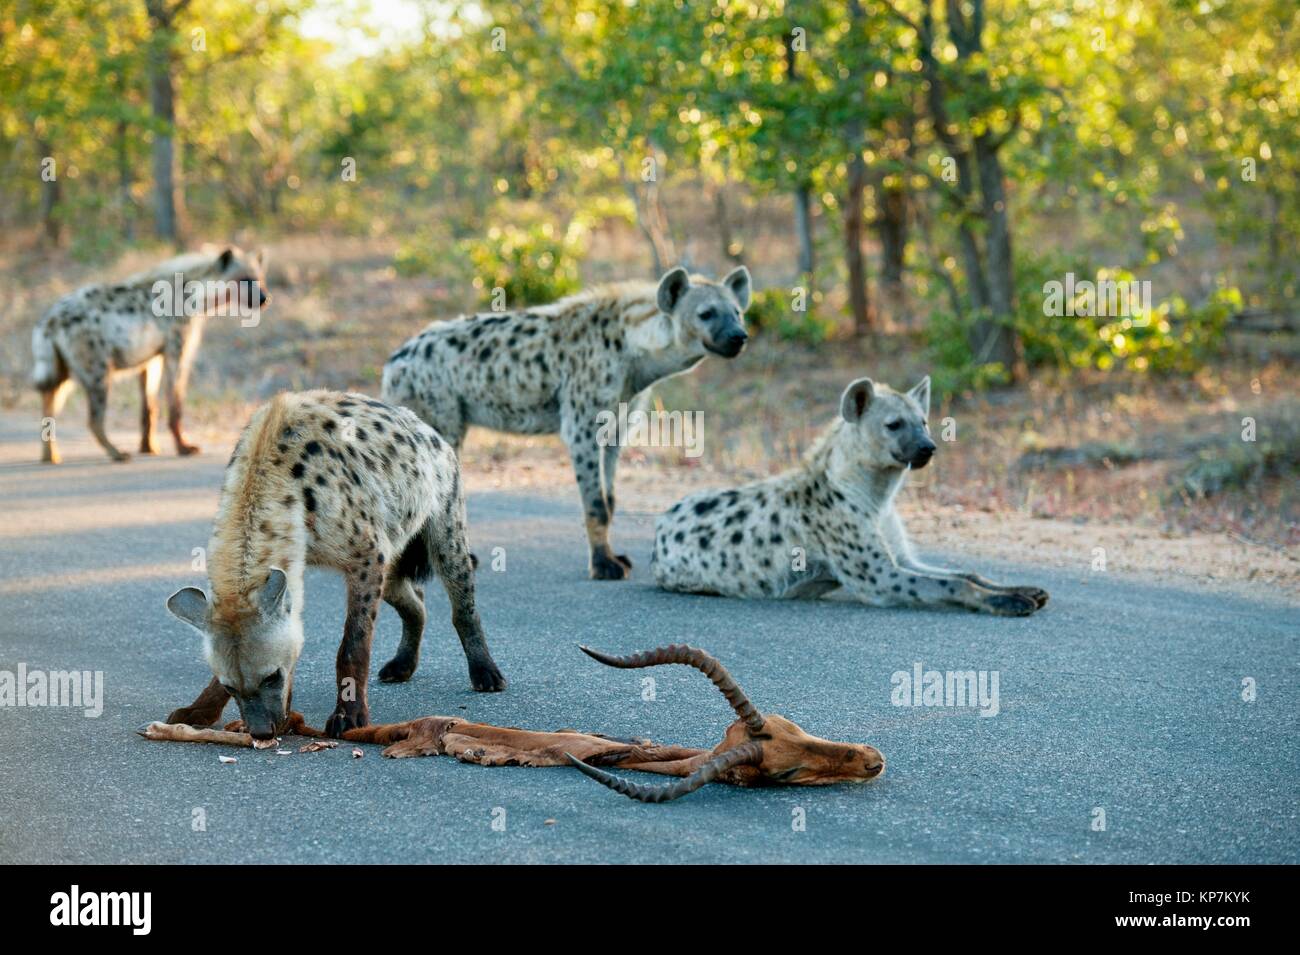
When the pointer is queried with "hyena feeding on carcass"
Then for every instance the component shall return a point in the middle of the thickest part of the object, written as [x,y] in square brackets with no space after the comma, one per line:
[99,331]
[556,368]
[340,481]
[828,524]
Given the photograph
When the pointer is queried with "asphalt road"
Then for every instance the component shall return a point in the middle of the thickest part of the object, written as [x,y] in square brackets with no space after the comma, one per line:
[1118,697]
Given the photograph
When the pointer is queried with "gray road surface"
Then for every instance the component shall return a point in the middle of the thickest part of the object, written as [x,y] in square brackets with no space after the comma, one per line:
[1119,697]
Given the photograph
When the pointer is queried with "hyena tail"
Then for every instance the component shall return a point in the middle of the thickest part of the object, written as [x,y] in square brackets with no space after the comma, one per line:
[49,370]
[416,562]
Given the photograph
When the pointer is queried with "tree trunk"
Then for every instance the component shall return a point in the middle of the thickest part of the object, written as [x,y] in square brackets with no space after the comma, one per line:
[51,192]
[162,101]
[854,135]
[803,228]
[996,338]
[124,199]
[731,249]
[990,276]
[803,194]
[859,300]
[891,226]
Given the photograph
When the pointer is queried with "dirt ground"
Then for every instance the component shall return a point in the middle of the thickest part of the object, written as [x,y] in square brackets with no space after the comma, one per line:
[1047,473]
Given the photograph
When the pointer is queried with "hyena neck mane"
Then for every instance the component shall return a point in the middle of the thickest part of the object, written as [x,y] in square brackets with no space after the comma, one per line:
[655,345]
[831,460]
[191,267]
[259,521]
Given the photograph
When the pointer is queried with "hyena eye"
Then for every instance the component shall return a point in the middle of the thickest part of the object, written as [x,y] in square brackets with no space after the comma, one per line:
[273,680]
[895,424]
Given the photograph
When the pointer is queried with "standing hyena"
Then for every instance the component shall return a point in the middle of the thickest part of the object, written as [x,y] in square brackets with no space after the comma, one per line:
[332,480]
[150,324]
[558,367]
[828,524]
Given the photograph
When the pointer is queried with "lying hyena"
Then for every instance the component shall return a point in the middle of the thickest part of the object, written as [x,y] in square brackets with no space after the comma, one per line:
[828,524]
[330,480]
[557,367]
[100,330]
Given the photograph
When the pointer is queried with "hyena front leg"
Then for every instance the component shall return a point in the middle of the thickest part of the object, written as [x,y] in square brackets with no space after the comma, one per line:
[407,598]
[206,708]
[150,379]
[891,528]
[893,586]
[589,459]
[352,668]
[178,354]
[451,560]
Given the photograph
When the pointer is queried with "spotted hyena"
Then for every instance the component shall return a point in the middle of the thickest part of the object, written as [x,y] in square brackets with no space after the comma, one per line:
[558,367]
[149,325]
[329,480]
[828,524]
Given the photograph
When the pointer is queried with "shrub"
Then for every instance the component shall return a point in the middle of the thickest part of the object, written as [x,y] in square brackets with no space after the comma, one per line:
[532,264]
[772,311]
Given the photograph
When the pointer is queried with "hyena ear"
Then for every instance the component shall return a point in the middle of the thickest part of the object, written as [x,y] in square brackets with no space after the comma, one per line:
[271,598]
[738,282]
[921,392]
[225,258]
[857,399]
[671,289]
[189,604]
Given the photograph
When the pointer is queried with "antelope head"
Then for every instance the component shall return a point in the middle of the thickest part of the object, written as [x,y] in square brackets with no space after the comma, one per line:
[758,749]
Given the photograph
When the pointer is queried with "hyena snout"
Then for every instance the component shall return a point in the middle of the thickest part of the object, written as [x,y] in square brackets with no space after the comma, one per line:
[729,342]
[922,455]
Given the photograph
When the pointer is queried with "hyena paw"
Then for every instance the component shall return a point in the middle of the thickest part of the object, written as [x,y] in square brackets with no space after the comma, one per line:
[486,678]
[185,450]
[1010,605]
[119,457]
[397,670]
[1037,594]
[344,719]
[608,567]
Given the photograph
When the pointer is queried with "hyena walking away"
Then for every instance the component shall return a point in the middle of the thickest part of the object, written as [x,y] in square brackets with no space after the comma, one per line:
[331,480]
[99,331]
[555,368]
[828,524]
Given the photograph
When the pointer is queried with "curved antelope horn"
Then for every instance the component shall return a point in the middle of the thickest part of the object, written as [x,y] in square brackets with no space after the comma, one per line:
[745,753]
[689,656]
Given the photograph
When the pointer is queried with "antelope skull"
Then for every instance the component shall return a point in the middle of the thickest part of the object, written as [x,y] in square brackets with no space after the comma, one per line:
[757,750]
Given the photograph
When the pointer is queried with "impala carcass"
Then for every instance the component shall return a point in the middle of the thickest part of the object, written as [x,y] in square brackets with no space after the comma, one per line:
[756,750]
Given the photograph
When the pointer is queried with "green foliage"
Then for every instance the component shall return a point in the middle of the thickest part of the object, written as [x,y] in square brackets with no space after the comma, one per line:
[1167,336]
[533,264]
[772,311]
[954,369]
